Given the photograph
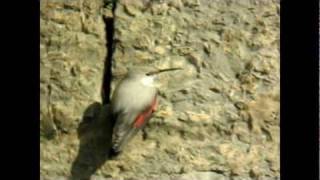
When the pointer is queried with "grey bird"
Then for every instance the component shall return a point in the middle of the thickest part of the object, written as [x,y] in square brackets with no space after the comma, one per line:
[133,102]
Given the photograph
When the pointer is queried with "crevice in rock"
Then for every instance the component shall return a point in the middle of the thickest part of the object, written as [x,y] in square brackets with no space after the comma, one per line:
[109,30]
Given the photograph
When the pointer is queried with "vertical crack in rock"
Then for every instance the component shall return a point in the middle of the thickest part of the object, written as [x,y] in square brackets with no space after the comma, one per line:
[109,29]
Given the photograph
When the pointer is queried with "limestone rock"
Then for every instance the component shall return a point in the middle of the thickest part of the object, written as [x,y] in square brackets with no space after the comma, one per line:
[221,112]
[218,118]
[72,55]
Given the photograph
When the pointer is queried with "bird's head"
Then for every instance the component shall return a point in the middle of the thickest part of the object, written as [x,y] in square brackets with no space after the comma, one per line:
[147,75]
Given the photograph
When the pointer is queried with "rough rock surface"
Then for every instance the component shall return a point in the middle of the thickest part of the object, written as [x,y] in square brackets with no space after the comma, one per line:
[217,119]
[72,56]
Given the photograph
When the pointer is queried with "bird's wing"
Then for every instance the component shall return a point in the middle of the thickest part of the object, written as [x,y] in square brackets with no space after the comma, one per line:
[144,116]
[124,130]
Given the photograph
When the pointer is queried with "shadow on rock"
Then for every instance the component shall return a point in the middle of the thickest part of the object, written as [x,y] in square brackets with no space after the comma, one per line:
[94,132]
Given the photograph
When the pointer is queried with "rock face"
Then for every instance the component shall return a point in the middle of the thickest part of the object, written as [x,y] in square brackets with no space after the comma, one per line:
[218,118]
[221,113]
[72,56]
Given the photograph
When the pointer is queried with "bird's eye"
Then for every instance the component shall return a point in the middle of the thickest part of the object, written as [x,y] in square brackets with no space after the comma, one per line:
[151,73]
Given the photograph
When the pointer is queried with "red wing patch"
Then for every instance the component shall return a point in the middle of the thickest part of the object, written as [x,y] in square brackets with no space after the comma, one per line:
[145,115]
[139,120]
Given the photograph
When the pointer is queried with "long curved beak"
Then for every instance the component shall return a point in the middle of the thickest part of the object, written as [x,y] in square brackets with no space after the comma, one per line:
[162,70]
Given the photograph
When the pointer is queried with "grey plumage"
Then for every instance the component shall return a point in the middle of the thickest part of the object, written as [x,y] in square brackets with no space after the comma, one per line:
[135,95]
[131,97]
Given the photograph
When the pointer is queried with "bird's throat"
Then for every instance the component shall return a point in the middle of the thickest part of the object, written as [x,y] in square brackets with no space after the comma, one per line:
[148,81]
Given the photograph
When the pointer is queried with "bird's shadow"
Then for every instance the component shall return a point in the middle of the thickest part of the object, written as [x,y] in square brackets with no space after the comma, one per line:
[95,134]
